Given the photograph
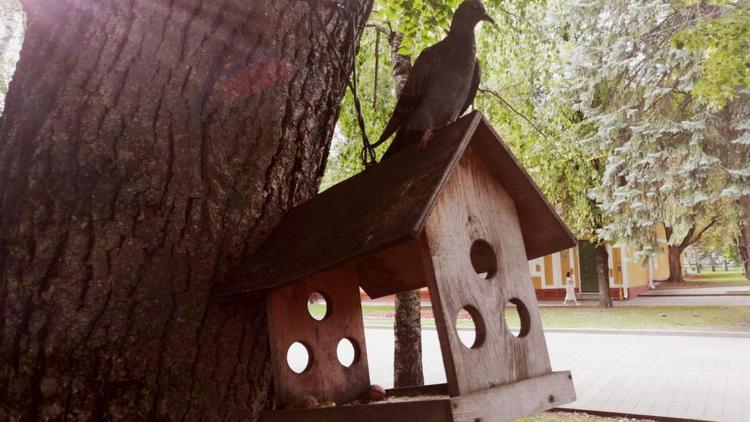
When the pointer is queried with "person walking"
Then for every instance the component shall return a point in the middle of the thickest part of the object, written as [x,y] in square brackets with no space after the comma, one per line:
[570,289]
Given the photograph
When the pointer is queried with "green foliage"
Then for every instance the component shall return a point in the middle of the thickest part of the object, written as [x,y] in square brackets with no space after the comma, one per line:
[421,22]
[625,113]
[11,34]
[721,240]
[670,158]
[520,65]
[723,45]
[344,160]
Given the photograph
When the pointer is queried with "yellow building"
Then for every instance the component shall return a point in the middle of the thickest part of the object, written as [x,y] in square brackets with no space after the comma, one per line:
[629,275]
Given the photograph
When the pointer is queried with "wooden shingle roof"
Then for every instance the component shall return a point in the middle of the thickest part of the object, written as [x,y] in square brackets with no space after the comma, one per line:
[388,204]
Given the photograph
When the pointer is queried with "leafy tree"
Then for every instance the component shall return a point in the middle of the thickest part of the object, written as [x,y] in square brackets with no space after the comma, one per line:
[670,159]
[723,44]
[522,94]
[721,240]
[11,33]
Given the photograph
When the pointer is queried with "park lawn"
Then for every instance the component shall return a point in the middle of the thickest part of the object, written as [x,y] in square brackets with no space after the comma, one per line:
[713,318]
[659,318]
[718,277]
[574,417]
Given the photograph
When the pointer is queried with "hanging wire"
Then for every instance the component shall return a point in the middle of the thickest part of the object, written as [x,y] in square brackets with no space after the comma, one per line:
[367,154]
[377,67]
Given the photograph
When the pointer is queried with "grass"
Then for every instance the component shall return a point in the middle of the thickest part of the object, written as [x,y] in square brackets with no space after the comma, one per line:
[699,318]
[572,417]
[719,277]
[672,317]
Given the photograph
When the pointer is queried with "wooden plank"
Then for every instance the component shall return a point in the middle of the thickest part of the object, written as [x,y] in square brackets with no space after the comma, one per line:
[502,403]
[412,411]
[289,321]
[392,270]
[512,401]
[371,211]
[474,206]
[441,318]
[543,230]
[387,205]
[419,390]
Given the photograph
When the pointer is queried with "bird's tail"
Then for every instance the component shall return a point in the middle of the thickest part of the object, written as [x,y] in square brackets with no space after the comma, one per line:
[403,139]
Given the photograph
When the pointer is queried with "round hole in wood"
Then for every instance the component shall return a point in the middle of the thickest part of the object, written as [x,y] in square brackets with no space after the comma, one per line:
[347,352]
[519,317]
[470,327]
[299,357]
[483,259]
[318,306]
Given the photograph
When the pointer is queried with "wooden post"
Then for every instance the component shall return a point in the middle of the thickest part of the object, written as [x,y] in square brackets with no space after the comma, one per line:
[289,322]
[475,220]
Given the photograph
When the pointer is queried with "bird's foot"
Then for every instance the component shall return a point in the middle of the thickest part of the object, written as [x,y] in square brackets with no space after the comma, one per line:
[425,139]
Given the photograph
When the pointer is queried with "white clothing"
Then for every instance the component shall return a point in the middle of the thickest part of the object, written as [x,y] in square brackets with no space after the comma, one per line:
[570,289]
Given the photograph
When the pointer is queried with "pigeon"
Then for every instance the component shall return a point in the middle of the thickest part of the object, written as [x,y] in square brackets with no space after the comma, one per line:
[442,83]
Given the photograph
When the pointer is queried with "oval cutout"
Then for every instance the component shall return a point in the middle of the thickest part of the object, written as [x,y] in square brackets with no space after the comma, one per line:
[318,306]
[522,315]
[298,357]
[483,259]
[470,327]
[347,352]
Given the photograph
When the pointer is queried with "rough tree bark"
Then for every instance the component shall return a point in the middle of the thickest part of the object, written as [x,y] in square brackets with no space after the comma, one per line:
[602,272]
[144,145]
[407,353]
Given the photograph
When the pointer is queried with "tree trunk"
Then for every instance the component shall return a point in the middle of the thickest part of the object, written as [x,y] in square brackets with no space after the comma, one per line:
[744,248]
[675,264]
[602,272]
[144,146]
[675,251]
[401,63]
[744,238]
[407,361]
[407,354]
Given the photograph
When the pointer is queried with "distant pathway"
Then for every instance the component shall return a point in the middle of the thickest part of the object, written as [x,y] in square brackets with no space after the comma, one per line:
[701,291]
[685,377]
[661,300]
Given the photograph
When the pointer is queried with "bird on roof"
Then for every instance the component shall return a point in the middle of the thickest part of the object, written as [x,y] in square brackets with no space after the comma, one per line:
[442,83]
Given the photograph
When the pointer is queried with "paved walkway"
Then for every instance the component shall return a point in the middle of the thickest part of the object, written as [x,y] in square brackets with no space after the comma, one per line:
[653,300]
[701,291]
[741,300]
[685,377]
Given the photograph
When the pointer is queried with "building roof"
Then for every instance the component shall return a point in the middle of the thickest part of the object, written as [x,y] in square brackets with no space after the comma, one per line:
[388,204]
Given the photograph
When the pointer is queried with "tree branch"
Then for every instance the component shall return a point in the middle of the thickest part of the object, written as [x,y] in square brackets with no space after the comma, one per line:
[380,28]
[693,237]
[513,109]
[698,235]
[686,240]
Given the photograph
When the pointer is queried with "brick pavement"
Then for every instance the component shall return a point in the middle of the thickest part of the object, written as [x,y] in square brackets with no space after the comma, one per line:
[704,377]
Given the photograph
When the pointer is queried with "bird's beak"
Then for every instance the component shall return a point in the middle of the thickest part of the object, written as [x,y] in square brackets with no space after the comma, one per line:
[489,19]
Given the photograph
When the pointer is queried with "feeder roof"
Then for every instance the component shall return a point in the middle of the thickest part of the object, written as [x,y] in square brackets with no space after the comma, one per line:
[388,204]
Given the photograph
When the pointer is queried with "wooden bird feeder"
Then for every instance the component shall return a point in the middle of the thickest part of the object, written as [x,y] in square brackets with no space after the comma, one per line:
[460,217]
